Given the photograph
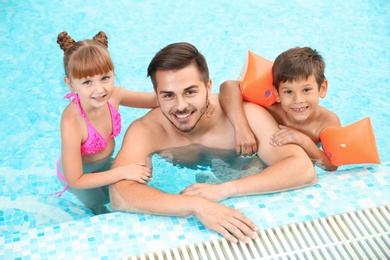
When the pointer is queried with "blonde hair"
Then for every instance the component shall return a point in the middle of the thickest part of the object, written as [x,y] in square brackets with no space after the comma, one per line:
[85,58]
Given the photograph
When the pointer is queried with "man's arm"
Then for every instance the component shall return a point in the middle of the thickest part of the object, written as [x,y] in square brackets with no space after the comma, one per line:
[132,196]
[138,144]
[289,166]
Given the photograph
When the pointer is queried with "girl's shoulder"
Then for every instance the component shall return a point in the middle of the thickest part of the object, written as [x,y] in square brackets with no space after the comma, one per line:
[71,117]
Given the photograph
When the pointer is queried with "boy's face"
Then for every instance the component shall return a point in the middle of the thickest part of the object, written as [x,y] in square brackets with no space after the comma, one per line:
[300,99]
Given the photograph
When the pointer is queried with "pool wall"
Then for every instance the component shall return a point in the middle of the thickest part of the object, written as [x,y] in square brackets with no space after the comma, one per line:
[119,235]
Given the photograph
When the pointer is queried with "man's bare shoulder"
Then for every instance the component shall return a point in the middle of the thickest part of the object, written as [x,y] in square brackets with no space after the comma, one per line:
[144,136]
[257,112]
[151,122]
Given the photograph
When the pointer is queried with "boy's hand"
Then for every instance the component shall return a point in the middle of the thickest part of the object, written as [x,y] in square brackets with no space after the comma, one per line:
[287,135]
[246,144]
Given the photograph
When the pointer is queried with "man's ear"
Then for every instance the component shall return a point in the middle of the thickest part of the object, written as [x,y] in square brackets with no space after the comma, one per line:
[69,84]
[323,88]
[209,87]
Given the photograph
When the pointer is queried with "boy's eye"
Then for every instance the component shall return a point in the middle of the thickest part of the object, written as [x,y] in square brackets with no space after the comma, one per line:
[306,89]
[287,91]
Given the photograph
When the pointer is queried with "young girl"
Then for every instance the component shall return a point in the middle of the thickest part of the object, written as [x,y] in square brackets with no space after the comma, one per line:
[91,121]
[299,81]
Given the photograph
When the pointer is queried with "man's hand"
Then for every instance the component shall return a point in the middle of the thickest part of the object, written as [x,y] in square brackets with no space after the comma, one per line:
[230,223]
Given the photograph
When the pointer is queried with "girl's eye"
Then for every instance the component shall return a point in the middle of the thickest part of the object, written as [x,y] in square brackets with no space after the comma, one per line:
[105,78]
[87,83]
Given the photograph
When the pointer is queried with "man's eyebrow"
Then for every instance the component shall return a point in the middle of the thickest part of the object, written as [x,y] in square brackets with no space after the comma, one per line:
[165,92]
[186,89]
[191,87]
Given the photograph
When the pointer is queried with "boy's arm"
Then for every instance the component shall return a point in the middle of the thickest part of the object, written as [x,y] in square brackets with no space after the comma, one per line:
[321,160]
[324,163]
[231,101]
[293,136]
[287,135]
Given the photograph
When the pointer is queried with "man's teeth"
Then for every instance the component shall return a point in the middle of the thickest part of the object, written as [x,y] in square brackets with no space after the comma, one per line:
[183,115]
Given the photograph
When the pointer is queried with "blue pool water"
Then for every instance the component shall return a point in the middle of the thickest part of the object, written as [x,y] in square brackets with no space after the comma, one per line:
[352,36]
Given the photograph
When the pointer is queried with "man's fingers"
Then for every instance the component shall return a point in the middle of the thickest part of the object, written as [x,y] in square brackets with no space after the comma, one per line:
[238,228]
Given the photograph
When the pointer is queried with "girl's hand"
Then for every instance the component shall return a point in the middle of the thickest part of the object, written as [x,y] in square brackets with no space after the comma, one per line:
[136,172]
[287,135]
[213,192]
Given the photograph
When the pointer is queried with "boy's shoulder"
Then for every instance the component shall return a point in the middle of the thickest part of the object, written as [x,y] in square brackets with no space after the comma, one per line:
[329,118]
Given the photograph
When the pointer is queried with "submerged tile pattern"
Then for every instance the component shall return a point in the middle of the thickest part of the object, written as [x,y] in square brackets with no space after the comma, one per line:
[117,235]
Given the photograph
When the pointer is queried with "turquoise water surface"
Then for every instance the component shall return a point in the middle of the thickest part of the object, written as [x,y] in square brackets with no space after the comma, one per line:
[352,36]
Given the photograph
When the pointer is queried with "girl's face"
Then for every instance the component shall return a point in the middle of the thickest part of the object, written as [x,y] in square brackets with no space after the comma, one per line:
[300,99]
[93,91]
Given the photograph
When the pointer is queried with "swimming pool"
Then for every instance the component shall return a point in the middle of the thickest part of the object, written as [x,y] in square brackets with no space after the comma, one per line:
[353,37]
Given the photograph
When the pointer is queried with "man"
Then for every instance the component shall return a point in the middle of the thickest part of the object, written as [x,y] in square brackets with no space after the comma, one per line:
[181,81]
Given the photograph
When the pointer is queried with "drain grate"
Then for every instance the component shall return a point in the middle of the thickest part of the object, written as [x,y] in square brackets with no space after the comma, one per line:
[363,234]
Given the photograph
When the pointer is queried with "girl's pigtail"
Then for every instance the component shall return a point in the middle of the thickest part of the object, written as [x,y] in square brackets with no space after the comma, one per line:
[65,41]
[102,38]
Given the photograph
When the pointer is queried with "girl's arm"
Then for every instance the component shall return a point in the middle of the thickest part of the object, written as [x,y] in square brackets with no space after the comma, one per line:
[136,99]
[71,137]
[231,101]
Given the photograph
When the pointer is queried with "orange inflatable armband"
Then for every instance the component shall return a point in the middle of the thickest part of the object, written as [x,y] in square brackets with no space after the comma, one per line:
[256,85]
[351,144]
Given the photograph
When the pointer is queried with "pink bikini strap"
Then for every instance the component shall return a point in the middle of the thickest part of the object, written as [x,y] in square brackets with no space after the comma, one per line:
[74,99]
[61,177]
[59,174]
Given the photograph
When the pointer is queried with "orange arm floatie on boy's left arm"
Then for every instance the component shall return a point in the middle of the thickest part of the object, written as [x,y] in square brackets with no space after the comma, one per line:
[351,144]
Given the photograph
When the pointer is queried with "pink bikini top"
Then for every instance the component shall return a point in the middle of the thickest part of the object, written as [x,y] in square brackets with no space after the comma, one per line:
[95,142]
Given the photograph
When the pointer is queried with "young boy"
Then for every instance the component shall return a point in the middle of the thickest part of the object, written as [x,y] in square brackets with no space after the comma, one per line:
[299,81]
